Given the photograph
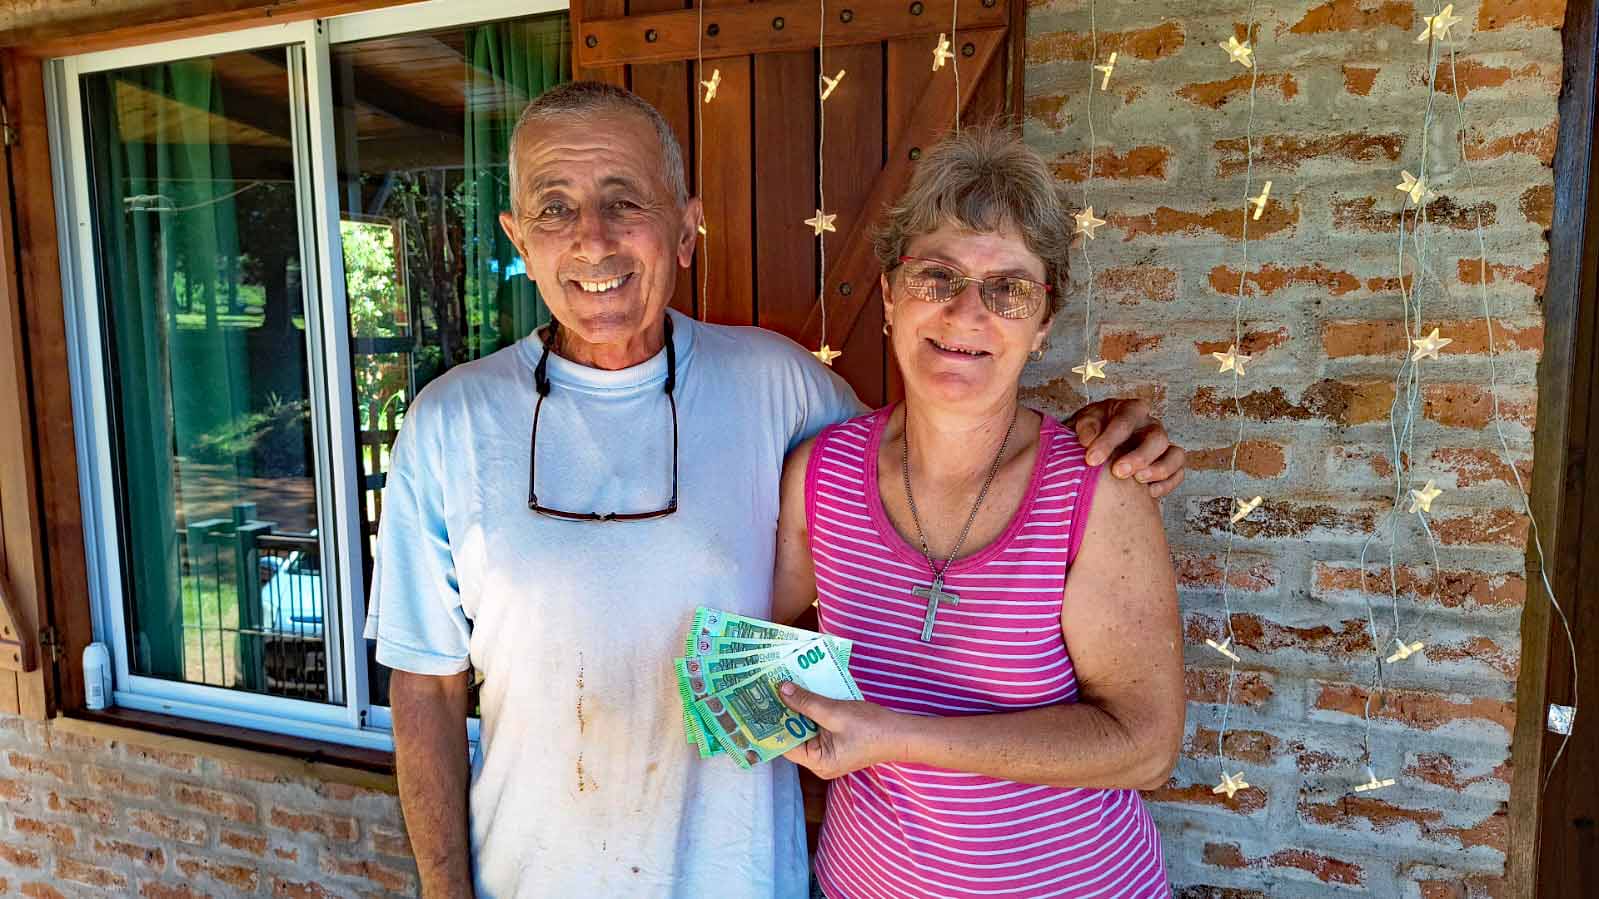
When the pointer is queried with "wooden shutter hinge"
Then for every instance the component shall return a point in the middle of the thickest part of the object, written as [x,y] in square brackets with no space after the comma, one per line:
[50,643]
[8,133]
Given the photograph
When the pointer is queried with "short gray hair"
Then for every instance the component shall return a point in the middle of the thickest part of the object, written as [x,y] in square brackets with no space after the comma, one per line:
[579,99]
[984,179]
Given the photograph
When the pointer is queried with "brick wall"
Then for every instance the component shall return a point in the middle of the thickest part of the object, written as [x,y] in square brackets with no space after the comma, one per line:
[1337,118]
[95,811]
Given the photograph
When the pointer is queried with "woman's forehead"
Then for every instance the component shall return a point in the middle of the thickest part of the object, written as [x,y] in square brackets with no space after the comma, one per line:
[1003,247]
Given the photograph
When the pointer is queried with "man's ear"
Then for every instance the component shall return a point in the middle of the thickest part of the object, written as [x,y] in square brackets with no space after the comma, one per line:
[693,216]
[508,225]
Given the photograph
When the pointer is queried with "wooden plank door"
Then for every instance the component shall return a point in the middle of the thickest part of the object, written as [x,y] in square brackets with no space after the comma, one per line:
[755,166]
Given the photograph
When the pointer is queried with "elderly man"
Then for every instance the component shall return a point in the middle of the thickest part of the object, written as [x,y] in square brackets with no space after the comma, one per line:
[553,514]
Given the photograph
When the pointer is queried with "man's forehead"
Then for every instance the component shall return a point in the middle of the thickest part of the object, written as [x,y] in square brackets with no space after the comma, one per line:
[599,147]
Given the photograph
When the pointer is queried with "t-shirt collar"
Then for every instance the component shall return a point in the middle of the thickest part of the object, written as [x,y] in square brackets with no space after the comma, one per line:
[566,373]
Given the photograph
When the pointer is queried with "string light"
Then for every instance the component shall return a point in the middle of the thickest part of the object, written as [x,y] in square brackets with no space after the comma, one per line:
[1086,222]
[1233,361]
[822,222]
[699,158]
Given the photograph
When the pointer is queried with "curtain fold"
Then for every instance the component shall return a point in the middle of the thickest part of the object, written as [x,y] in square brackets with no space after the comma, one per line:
[509,64]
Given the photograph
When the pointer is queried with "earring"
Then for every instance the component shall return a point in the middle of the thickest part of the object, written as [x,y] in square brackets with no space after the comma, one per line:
[1038,354]
[886,328]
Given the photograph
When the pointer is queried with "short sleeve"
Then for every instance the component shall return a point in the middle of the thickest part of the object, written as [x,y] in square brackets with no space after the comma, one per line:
[828,399]
[415,612]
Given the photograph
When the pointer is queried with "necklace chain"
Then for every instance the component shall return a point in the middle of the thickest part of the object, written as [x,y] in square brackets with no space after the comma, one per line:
[905,469]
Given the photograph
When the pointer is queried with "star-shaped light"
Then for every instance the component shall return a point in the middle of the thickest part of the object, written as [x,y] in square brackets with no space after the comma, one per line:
[827,354]
[1373,783]
[710,86]
[829,83]
[1230,784]
[1224,648]
[702,228]
[1429,346]
[1422,499]
[1107,67]
[1404,650]
[822,222]
[1086,223]
[1260,202]
[1232,360]
[1242,508]
[1410,184]
[1438,26]
[1090,370]
[942,51]
[1239,53]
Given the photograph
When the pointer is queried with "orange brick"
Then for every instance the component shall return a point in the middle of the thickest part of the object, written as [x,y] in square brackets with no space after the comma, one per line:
[1471,405]
[1474,76]
[15,792]
[149,856]
[110,780]
[1366,215]
[1137,162]
[1355,15]
[20,856]
[1343,339]
[1116,346]
[1451,589]
[1215,94]
[1537,142]
[1341,402]
[1289,151]
[334,827]
[61,835]
[38,890]
[93,875]
[1534,276]
[183,762]
[1255,343]
[1254,746]
[249,843]
[1209,685]
[1270,279]
[35,766]
[168,827]
[1224,855]
[1252,632]
[386,877]
[387,841]
[1324,868]
[1479,466]
[1483,527]
[1205,571]
[1281,520]
[1538,204]
[101,811]
[231,806]
[1256,458]
[1166,222]
[1415,708]
[300,889]
[1132,285]
[1358,80]
[1244,802]
[1049,111]
[237,876]
[1494,15]
[1146,44]
[152,890]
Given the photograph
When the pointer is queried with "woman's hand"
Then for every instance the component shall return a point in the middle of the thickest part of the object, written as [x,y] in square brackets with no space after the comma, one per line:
[855,734]
[1125,430]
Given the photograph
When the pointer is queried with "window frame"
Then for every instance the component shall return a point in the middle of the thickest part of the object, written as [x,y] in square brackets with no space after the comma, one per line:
[352,719]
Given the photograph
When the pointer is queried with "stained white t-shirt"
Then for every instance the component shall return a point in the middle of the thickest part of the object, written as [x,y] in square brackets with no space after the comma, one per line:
[583,783]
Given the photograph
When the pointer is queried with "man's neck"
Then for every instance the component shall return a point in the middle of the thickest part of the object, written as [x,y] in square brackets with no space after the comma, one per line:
[636,350]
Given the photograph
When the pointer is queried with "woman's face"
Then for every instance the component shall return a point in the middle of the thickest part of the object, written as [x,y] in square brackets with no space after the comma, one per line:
[959,354]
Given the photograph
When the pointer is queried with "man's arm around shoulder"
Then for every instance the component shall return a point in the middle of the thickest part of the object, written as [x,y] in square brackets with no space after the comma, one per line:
[430,763]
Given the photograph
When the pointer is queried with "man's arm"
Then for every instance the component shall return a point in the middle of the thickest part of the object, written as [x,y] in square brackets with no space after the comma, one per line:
[431,764]
[1126,431]
[794,580]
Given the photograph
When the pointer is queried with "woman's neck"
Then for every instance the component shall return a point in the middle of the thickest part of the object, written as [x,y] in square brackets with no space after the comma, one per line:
[948,445]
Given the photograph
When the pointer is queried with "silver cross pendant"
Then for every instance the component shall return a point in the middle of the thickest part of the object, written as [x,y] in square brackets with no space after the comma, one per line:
[936,596]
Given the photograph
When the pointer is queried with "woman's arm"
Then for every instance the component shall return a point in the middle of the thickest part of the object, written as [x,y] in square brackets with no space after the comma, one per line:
[793,577]
[1120,618]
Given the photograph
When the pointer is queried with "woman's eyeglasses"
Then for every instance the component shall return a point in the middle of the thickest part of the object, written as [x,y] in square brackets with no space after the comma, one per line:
[1007,296]
[541,383]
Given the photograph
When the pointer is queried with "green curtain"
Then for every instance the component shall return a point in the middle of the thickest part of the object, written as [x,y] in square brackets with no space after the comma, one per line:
[509,63]
[163,183]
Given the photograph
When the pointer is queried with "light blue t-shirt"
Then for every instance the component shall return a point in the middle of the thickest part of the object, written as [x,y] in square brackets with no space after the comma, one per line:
[583,783]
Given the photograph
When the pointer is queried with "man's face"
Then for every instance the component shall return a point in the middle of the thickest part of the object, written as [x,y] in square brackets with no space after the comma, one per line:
[598,227]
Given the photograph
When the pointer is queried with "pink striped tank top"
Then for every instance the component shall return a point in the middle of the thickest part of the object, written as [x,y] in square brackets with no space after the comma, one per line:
[913,831]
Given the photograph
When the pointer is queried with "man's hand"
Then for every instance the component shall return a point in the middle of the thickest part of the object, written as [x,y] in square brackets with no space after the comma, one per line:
[1126,432]
[855,734]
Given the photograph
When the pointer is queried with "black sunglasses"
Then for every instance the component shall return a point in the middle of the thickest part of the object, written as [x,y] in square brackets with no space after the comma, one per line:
[541,382]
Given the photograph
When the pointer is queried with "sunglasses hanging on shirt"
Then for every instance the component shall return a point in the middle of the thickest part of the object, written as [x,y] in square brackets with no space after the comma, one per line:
[541,383]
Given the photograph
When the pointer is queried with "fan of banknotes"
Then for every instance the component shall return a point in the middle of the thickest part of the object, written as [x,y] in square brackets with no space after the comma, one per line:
[728,679]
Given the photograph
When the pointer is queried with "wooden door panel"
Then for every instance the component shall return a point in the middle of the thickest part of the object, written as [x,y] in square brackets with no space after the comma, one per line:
[785,141]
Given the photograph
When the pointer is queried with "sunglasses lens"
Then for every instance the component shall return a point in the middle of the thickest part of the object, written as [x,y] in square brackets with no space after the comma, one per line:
[1013,297]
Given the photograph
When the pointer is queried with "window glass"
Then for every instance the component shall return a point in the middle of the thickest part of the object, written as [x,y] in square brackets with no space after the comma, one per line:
[197,246]
[422,125]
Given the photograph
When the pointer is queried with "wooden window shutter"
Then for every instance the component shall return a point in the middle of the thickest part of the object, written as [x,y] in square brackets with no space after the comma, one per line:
[759,157]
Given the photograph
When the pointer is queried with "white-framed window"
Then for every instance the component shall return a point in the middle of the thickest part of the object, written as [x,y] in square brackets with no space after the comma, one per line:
[271,239]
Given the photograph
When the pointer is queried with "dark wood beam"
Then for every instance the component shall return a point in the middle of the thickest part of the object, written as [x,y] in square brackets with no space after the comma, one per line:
[765,27]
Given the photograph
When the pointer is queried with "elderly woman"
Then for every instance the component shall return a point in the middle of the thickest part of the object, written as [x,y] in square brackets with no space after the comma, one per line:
[1013,608]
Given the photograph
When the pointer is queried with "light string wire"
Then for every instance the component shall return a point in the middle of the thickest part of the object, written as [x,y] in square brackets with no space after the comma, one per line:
[1498,418]
[1087,238]
[1238,405]
[1408,384]
[954,39]
[699,163]
[821,159]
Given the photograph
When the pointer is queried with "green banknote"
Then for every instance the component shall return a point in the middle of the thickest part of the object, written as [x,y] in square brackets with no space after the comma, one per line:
[699,676]
[717,623]
[749,719]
